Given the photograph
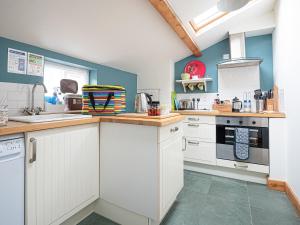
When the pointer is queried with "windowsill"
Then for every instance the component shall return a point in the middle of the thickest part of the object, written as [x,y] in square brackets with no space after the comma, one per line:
[55,109]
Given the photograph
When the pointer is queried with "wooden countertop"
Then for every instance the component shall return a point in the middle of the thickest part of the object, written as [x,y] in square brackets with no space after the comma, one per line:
[217,113]
[160,122]
[18,127]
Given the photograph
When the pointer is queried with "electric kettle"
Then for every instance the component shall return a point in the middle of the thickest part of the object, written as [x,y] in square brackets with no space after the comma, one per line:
[142,100]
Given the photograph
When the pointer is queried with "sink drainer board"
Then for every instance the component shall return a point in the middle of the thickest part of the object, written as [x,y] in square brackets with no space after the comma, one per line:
[48,118]
[145,115]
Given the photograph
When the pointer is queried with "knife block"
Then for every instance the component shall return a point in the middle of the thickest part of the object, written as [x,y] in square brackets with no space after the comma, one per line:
[272,104]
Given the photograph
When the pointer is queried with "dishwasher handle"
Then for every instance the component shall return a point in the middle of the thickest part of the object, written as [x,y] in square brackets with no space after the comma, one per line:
[33,141]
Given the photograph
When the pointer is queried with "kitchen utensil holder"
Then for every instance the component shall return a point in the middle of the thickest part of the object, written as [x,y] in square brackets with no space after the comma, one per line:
[3,115]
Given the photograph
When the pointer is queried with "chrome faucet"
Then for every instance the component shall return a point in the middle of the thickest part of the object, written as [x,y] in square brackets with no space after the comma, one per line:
[37,110]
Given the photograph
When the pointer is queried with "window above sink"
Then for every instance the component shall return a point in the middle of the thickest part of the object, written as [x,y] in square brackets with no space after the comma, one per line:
[55,72]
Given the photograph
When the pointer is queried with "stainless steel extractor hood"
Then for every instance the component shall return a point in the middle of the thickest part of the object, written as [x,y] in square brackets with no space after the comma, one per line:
[238,54]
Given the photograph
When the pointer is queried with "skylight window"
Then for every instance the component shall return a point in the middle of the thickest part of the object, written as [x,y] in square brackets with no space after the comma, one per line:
[208,17]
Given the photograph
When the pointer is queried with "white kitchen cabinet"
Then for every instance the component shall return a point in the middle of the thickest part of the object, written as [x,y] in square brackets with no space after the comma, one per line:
[201,119]
[278,148]
[171,174]
[204,132]
[64,176]
[199,151]
[200,139]
[141,167]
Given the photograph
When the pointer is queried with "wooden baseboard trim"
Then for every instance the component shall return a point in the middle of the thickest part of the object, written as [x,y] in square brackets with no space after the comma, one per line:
[284,187]
[276,185]
[293,198]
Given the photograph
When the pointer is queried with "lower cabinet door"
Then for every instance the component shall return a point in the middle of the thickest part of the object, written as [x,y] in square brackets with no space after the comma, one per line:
[171,173]
[200,152]
[62,173]
[204,132]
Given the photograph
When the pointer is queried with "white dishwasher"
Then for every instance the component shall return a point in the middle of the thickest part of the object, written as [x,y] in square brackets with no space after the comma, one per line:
[12,152]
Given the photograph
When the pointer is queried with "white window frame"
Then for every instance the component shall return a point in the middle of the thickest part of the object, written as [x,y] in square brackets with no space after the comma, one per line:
[81,75]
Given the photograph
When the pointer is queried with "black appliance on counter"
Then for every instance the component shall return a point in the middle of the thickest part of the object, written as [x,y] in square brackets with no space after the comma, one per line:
[237,105]
[258,138]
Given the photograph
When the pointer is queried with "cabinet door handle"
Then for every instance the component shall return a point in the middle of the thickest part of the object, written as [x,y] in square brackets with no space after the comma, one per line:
[33,141]
[193,142]
[193,125]
[240,166]
[184,139]
[193,119]
[175,129]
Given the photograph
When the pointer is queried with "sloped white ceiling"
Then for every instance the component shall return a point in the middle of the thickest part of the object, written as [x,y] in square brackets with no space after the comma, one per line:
[257,15]
[127,34]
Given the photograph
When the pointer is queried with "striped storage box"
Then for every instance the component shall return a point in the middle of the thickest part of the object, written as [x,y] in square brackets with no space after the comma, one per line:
[102,100]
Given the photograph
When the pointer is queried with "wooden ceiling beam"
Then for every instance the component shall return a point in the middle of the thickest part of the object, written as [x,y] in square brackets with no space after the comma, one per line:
[165,10]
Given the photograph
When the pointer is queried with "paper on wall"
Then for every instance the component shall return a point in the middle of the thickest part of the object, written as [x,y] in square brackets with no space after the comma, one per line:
[35,65]
[16,61]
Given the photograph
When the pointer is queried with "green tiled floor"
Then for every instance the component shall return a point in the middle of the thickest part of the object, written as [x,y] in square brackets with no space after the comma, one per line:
[211,200]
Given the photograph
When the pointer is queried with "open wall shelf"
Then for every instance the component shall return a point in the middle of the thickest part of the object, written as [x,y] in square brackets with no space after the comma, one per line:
[194,83]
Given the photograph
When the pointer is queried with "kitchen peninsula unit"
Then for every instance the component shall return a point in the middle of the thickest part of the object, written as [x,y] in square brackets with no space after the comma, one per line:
[141,168]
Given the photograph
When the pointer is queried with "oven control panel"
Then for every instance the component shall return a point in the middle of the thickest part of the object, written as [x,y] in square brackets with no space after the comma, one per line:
[243,121]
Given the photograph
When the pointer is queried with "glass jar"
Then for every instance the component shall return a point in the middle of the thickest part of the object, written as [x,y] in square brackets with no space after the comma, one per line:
[3,115]
[154,109]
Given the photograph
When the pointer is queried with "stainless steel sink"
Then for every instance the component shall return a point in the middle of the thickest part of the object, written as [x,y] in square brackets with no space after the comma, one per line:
[48,118]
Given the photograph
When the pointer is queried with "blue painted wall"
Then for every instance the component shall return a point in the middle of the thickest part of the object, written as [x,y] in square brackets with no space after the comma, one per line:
[210,57]
[99,74]
[259,46]
[262,46]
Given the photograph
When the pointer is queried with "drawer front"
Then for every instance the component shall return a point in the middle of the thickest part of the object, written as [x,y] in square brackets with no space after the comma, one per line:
[170,131]
[201,152]
[205,132]
[201,119]
[243,166]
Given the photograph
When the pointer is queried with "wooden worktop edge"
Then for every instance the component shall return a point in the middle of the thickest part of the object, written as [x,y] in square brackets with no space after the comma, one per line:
[217,113]
[141,121]
[18,127]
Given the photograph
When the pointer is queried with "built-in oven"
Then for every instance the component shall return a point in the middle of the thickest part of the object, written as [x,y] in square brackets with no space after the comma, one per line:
[258,138]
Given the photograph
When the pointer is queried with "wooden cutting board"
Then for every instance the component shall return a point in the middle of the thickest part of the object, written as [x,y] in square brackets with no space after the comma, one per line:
[145,115]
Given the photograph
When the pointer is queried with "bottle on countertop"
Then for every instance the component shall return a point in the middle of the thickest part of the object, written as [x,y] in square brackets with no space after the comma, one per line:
[217,99]
[245,102]
[249,105]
